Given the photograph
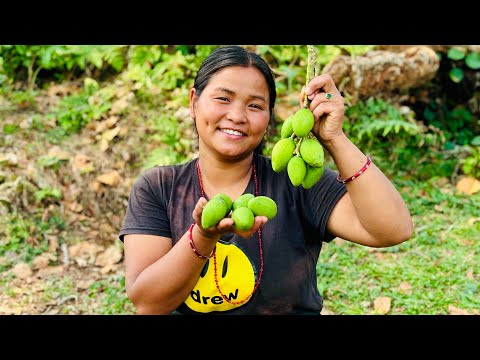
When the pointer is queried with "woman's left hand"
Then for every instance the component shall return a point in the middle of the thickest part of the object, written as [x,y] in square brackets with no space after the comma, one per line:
[225,225]
[328,112]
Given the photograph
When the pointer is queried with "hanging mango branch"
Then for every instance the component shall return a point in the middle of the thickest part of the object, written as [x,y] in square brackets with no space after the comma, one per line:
[298,151]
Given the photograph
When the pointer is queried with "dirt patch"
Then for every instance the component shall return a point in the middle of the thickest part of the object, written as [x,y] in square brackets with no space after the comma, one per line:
[81,183]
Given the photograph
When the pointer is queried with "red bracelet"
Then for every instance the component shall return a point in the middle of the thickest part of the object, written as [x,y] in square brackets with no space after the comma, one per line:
[357,174]
[192,245]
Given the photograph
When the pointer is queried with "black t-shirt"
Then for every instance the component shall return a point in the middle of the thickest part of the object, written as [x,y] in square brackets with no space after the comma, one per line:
[162,201]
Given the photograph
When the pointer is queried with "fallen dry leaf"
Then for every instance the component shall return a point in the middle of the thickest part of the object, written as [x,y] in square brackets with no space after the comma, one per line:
[51,311]
[470,274]
[405,287]
[382,305]
[59,153]
[110,134]
[332,258]
[104,145]
[84,284]
[326,311]
[101,126]
[111,179]
[123,131]
[84,253]
[92,235]
[122,90]
[472,221]
[109,257]
[441,182]
[52,242]
[8,310]
[82,163]
[453,310]
[119,105]
[40,262]
[95,186]
[75,207]
[84,247]
[106,228]
[468,185]
[22,270]
[51,270]
[109,268]
[9,158]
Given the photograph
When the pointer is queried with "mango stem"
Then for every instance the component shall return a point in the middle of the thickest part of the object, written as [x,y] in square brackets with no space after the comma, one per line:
[310,72]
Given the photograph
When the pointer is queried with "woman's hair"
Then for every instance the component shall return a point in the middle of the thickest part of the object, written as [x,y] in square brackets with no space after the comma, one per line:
[234,55]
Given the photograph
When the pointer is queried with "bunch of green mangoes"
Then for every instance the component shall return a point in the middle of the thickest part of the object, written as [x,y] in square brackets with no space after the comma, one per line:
[243,210]
[298,151]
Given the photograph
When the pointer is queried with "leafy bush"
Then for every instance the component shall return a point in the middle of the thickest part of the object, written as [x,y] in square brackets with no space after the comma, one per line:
[471,163]
[26,237]
[157,71]
[24,62]
[397,140]
[461,58]
[381,128]
[75,111]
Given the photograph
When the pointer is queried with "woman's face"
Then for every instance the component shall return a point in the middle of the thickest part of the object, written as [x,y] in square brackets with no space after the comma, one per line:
[232,112]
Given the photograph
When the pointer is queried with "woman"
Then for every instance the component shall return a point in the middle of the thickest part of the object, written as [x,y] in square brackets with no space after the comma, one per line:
[173,265]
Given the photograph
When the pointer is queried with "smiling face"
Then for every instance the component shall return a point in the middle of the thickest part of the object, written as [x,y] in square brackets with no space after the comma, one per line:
[232,112]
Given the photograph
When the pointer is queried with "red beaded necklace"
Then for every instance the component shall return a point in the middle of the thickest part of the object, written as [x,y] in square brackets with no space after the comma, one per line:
[259,243]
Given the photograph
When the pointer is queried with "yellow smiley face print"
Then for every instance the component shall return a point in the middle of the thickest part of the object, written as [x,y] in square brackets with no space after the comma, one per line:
[236,279]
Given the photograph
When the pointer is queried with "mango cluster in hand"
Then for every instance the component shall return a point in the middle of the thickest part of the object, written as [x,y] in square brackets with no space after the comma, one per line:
[298,151]
[243,210]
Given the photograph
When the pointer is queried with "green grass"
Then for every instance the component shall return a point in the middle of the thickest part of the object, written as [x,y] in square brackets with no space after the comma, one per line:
[440,263]
[104,297]
[111,296]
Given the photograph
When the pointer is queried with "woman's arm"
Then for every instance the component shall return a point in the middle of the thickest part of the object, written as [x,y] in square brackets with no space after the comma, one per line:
[159,276]
[372,212]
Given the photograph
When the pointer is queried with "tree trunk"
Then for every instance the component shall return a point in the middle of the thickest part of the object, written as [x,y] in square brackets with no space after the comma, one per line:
[438,48]
[382,72]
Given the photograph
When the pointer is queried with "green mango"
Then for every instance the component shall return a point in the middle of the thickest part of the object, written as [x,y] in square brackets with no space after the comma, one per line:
[296,170]
[263,206]
[282,152]
[302,122]
[242,201]
[243,218]
[227,200]
[213,211]
[312,152]
[287,129]
[312,176]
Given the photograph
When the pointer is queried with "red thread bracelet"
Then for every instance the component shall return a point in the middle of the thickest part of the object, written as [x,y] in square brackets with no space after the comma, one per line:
[192,245]
[357,174]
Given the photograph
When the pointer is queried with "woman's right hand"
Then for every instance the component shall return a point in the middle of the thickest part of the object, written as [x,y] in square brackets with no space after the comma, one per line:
[328,112]
[225,225]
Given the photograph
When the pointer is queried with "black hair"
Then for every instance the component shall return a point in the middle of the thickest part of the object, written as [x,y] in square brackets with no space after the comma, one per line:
[234,55]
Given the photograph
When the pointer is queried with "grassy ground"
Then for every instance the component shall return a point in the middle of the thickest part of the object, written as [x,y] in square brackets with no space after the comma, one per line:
[436,272]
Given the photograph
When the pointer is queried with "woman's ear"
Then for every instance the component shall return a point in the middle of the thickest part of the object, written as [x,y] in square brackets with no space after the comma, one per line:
[192,103]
